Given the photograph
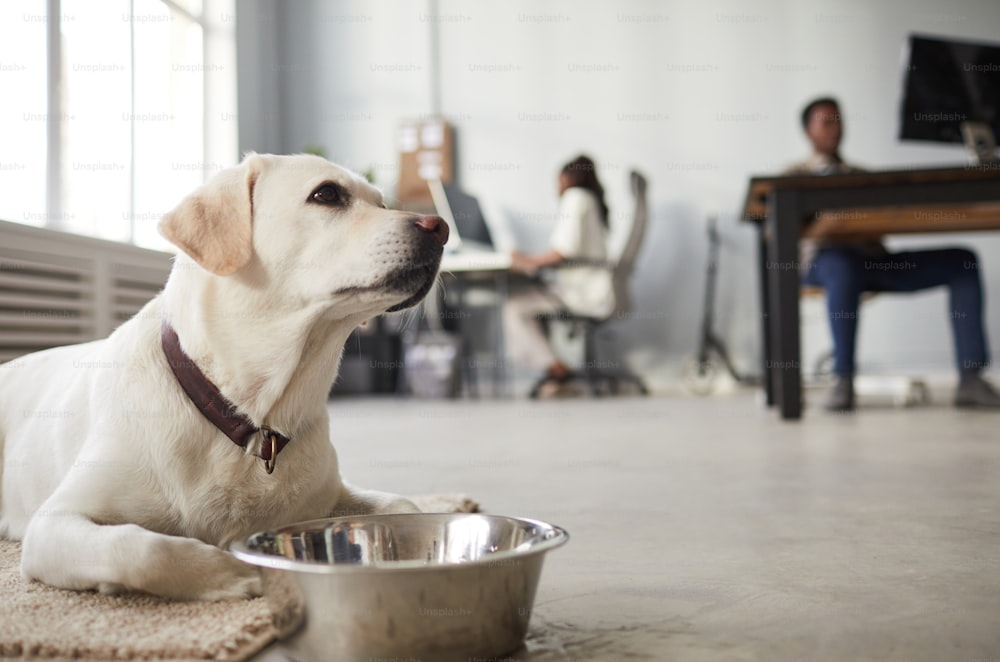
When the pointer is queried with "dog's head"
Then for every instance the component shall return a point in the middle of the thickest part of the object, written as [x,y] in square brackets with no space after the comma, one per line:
[311,232]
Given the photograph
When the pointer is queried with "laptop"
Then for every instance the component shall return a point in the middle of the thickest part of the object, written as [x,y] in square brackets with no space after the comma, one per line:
[470,243]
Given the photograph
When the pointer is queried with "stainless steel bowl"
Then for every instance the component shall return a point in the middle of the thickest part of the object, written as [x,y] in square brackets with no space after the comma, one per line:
[421,586]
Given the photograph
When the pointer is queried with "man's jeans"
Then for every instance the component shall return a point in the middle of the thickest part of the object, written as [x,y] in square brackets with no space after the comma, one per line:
[845,273]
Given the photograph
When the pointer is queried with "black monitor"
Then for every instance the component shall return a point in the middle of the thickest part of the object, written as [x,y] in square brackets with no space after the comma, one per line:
[948,82]
[468,216]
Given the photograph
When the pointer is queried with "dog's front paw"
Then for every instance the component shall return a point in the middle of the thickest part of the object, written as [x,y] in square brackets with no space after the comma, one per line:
[354,502]
[188,569]
[396,506]
[446,503]
[229,579]
[381,505]
[240,586]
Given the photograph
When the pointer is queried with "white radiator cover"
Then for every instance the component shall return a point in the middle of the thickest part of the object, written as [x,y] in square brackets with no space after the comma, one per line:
[59,289]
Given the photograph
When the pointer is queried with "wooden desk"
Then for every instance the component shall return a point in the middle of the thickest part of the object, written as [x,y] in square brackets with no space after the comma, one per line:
[858,205]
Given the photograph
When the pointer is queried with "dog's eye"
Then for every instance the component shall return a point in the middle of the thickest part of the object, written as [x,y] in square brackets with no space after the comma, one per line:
[331,195]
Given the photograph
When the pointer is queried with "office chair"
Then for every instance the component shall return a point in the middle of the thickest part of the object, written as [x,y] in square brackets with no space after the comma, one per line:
[608,380]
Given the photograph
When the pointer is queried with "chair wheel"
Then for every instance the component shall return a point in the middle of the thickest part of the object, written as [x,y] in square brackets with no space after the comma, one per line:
[699,376]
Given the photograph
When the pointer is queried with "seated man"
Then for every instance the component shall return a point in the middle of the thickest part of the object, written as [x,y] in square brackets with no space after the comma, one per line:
[845,270]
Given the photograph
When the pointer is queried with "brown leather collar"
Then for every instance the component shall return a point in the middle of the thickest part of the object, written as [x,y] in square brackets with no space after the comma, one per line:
[213,405]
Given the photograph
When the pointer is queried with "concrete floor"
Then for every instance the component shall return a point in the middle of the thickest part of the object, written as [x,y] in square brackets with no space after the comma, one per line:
[706,529]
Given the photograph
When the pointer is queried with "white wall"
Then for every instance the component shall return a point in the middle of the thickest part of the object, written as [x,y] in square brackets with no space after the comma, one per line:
[696,95]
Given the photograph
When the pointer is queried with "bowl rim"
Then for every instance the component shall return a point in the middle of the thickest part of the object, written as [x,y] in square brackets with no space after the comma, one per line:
[239,548]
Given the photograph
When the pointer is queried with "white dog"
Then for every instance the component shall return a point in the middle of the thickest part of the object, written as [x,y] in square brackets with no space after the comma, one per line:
[120,470]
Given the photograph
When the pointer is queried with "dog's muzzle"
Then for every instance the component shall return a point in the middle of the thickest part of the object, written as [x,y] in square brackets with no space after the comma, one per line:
[434,235]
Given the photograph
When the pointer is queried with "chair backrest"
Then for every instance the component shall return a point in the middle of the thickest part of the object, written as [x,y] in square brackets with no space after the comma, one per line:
[626,261]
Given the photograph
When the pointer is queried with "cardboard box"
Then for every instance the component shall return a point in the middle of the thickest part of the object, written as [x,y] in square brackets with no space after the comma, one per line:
[426,150]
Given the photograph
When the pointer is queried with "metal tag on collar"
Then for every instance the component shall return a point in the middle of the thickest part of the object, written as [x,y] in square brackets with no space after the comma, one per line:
[270,437]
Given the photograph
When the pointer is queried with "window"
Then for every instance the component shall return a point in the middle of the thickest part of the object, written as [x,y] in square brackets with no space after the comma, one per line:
[24,113]
[109,108]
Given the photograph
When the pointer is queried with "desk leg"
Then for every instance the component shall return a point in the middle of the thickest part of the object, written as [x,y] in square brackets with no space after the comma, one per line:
[783,221]
[499,344]
[467,371]
[766,360]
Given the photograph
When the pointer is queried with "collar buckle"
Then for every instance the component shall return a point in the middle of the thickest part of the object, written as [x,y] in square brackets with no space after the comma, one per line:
[269,449]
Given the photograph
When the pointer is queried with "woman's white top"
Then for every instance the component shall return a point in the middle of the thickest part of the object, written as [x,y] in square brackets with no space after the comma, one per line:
[580,234]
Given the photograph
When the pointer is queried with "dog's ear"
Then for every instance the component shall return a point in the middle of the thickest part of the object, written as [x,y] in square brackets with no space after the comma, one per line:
[214,224]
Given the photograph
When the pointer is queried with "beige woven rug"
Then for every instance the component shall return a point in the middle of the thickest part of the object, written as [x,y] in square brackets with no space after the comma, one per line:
[37,621]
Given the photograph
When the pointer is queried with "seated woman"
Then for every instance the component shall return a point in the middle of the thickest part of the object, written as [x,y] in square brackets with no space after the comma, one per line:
[585,289]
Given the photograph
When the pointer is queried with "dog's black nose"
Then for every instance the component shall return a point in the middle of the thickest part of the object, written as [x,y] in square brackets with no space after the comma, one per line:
[434,226]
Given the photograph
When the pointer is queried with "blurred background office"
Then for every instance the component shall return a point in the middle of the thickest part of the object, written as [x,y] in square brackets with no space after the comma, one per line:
[697,96]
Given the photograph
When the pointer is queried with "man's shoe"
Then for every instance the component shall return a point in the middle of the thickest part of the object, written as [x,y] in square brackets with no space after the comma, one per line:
[974,392]
[842,397]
